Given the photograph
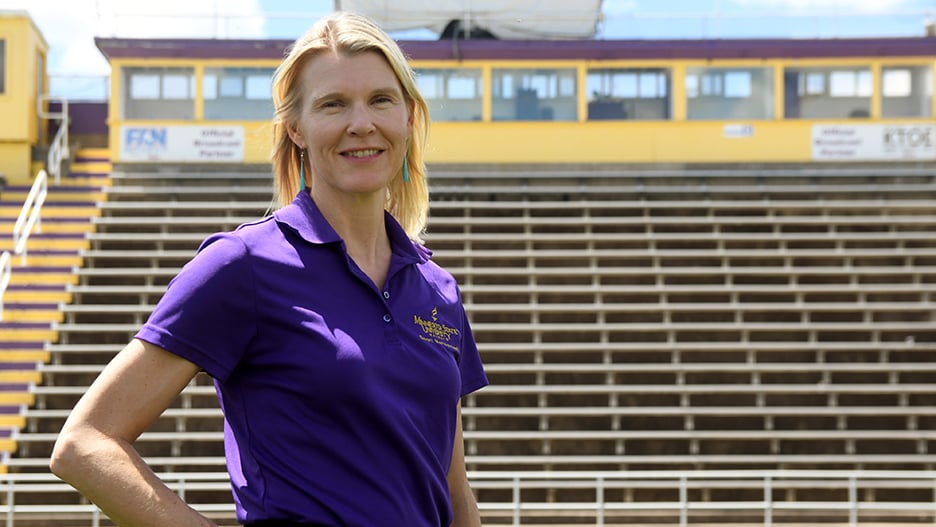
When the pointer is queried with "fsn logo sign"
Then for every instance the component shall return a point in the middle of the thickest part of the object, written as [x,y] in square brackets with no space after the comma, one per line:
[148,141]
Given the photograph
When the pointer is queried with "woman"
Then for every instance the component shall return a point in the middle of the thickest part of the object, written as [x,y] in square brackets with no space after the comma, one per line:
[339,350]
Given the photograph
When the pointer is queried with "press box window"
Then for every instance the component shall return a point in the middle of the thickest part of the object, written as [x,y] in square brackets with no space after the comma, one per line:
[618,94]
[729,93]
[827,93]
[238,94]
[452,94]
[534,94]
[158,93]
[906,91]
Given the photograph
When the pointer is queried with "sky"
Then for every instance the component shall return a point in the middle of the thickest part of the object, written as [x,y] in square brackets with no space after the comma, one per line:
[75,64]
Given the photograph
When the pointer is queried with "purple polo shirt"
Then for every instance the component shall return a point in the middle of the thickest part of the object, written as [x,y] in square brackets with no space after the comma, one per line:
[339,398]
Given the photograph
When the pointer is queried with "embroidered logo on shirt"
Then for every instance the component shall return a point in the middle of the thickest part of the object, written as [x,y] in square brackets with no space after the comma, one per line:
[435,331]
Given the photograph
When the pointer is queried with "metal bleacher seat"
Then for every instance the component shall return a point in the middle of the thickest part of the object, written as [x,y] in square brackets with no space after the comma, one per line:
[660,320]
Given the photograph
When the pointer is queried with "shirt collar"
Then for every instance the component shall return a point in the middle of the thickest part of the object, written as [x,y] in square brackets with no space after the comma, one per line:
[304,217]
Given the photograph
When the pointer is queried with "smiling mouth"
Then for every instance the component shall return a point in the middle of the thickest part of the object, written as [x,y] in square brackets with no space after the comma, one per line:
[361,154]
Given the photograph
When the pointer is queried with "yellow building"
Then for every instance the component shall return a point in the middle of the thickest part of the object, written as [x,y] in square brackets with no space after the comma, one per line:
[23,79]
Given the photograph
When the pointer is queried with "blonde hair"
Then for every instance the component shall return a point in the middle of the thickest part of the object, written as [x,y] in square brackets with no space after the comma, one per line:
[352,34]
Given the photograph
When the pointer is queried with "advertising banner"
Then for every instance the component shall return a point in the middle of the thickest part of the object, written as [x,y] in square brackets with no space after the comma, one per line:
[196,144]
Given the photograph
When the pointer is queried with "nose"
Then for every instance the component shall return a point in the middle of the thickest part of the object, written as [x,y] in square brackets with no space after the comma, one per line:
[362,121]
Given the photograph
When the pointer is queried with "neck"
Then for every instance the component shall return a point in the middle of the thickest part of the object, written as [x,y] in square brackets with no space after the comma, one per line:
[360,222]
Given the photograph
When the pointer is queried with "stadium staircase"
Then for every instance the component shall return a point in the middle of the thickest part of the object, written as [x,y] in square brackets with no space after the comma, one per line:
[38,283]
[664,346]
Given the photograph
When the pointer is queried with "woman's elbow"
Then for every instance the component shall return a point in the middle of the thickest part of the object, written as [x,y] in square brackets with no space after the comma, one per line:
[66,456]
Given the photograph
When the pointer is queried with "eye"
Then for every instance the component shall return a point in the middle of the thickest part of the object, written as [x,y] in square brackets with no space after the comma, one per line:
[384,100]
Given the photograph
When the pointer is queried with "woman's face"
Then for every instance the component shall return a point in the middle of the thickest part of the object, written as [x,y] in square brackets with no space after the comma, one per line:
[354,122]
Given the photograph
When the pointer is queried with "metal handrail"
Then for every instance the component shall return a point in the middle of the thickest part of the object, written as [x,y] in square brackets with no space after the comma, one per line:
[5,272]
[29,217]
[58,150]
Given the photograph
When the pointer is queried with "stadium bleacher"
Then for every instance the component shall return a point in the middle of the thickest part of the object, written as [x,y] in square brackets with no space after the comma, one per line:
[704,324]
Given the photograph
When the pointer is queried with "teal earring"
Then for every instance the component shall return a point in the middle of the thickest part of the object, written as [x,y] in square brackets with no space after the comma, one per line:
[302,170]
[405,170]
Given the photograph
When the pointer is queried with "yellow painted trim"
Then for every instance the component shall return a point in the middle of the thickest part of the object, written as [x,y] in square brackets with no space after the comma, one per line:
[581,91]
[199,91]
[487,98]
[678,92]
[876,86]
[778,99]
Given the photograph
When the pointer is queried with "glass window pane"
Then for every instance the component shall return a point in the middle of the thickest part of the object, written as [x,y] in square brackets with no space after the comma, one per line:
[616,94]
[144,86]
[729,93]
[650,86]
[827,93]
[843,84]
[535,94]
[815,83]
[210,87]
[462,87]
[897,83]
[231,87]
[906,91]
[259,87]
[625,85]
[428,85]
[737,84]
[175,87]
[158,93]
[244,94]
[452,94]
[692,85]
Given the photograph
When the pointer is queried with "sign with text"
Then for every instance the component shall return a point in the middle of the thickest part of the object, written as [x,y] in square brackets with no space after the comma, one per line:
[198,144]
[873,142]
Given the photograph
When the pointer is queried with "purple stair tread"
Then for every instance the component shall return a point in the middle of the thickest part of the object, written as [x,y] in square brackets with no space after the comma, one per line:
[36,287]
[43,269]
[13,386]
[25,325]
[7,409]
[16,366]
[29,306]
[17,344]
[83,175]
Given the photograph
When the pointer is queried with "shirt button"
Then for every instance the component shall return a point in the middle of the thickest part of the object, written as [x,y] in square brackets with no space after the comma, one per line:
[387,318]
[386,294]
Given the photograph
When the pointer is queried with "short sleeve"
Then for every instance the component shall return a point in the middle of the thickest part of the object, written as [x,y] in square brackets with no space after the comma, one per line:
[472,371]
[208,314]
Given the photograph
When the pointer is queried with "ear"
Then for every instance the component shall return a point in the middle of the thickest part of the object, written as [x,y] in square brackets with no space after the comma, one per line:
[410,108]
[295,135]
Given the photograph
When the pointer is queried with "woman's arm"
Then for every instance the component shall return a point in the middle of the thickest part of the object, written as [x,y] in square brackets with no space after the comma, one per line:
[464,505]
[94,451]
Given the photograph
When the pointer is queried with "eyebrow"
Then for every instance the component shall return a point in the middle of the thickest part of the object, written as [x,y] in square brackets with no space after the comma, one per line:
[341,95]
